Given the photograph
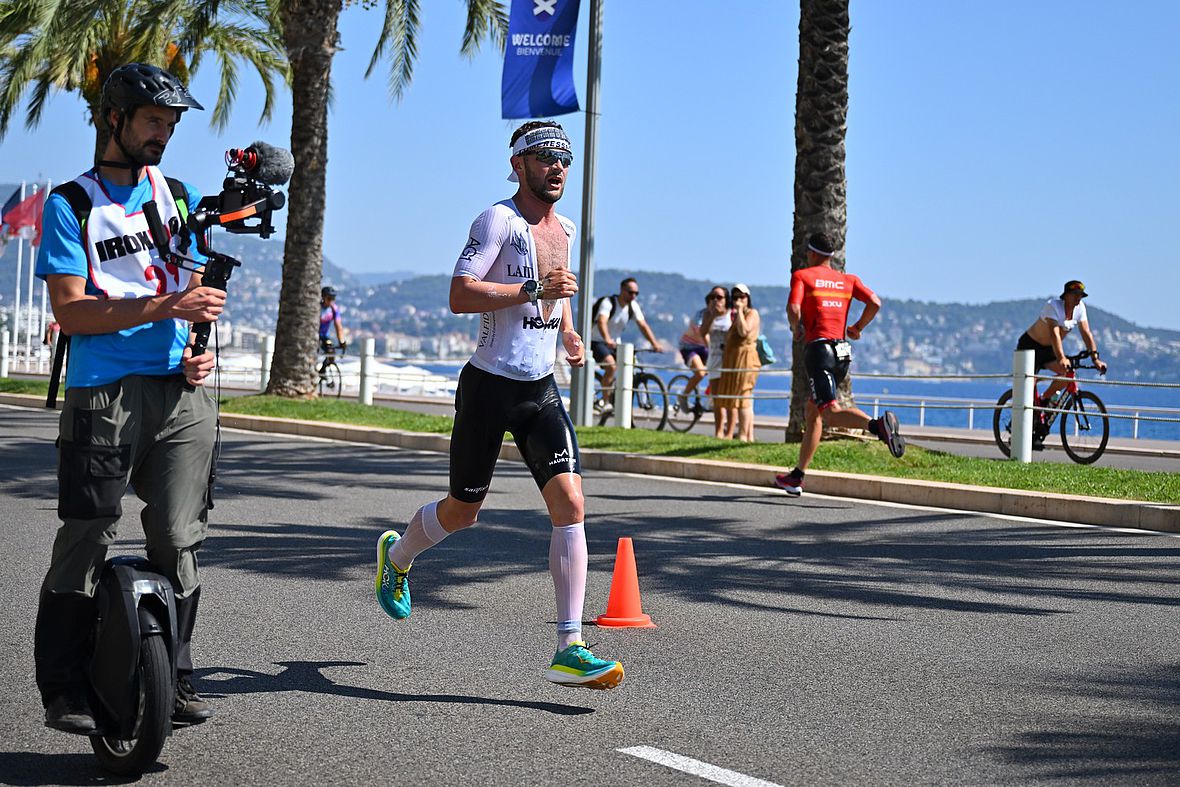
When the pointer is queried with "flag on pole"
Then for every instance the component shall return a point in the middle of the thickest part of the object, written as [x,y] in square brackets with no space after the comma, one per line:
[538,78]
[11,203]
[24,218]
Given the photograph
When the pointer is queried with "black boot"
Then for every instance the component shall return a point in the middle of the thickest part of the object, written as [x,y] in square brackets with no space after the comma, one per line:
[61,645]
[190,708]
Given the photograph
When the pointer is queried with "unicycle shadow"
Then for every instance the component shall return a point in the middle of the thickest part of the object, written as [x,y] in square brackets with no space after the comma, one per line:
[37,768]
[307,676]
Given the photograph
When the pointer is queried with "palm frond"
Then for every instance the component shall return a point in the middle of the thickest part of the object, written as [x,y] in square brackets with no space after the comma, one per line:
[486,20]
[399,34]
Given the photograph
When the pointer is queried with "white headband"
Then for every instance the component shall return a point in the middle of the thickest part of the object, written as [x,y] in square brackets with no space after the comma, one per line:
[820,252]
[544,137]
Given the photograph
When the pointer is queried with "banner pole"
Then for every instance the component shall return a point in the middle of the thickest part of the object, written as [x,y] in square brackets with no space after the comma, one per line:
[582,383]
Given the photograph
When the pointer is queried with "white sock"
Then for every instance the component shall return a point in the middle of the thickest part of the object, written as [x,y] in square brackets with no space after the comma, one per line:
[423,532]
[567,566]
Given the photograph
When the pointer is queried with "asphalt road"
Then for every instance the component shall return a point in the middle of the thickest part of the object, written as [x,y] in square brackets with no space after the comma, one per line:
[810,641]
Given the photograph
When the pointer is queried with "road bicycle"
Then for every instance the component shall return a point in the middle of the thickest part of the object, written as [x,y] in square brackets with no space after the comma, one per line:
[331,381]
[685,409]
[649,399]
[1084,424]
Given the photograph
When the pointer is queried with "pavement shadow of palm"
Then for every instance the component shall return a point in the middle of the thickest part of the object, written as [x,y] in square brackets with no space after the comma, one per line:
[1129,732]
[36,768]
[891,563]
[307,676]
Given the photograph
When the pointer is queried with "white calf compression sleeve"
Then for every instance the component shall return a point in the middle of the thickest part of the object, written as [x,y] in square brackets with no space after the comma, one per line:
[423,532]
[567,566]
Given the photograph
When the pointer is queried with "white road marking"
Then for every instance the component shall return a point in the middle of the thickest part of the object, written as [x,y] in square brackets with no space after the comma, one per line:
[695,767]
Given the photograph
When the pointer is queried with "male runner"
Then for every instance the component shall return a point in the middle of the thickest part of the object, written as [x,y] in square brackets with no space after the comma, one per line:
[515,272]
[818,305]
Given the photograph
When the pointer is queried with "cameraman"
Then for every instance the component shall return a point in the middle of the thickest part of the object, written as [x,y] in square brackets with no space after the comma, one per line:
[127,415]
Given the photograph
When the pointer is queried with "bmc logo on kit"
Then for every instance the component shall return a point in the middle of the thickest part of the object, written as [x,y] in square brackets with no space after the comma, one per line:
[537,322]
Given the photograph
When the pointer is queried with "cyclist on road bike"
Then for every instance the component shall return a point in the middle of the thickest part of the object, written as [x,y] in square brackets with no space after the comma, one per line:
[611,315]
[818,306]
[1058,317]
[329,317]
[515,272]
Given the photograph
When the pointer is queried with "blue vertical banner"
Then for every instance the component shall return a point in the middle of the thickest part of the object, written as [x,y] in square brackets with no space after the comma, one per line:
[538,78]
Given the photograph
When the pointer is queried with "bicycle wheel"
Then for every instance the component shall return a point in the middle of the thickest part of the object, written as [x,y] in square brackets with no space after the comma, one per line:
[649,402]
[1002,423]
[331,381]
[684,410]
[1085,429]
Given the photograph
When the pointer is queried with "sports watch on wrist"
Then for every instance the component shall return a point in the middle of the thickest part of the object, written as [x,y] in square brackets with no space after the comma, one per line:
[533,289]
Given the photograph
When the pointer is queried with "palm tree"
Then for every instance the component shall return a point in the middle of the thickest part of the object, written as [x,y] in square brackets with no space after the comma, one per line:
[73,45]
[309,29]
[821,115]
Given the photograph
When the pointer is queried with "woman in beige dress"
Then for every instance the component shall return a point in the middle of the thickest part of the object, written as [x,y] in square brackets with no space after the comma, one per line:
[736,388]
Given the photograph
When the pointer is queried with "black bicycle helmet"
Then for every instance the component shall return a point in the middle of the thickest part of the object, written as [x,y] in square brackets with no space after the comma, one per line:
[142,84]
[328,292]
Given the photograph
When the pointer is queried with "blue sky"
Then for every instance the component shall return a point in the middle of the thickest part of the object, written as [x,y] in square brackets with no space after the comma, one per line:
[994,149]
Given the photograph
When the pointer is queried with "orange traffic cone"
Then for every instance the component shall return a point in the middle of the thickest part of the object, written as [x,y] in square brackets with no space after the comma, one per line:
[624,608]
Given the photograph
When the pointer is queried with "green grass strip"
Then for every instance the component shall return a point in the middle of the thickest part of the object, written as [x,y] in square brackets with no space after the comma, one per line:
[38,387]
[845,456]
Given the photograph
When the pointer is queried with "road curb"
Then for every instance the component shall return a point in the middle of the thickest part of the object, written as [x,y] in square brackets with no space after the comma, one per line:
[1039,505]
[963,497]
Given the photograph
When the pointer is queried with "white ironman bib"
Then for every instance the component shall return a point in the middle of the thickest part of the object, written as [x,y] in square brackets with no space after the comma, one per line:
[517,342]
[122,260]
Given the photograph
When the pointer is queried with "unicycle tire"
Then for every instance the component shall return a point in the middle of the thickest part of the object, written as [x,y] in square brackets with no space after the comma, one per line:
[157,695]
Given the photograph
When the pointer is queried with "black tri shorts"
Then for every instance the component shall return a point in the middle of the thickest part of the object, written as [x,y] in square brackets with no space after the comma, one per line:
[825,370]
[1043,354]
[488,405]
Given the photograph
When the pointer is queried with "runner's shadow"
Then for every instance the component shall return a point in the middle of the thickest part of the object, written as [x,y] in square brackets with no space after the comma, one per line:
[306,676]
[35,768]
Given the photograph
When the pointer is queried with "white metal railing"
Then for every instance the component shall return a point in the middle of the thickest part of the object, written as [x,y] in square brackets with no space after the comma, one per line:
[374,375]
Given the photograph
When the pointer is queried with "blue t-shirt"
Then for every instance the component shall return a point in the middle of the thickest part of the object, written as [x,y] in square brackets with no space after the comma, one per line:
[97,359]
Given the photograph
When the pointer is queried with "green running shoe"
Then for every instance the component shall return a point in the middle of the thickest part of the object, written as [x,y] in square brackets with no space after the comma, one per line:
[577,667]
[393,588]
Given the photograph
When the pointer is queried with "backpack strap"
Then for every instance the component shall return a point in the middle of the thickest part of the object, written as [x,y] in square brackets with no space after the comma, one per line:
[180,195]
[73,193]
[79,202]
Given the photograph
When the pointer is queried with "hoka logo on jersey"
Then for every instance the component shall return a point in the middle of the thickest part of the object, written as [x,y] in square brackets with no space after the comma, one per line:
[539,322]
[122,245]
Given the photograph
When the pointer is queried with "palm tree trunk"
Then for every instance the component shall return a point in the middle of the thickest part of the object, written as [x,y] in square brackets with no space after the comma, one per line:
[821,115]
[309,32]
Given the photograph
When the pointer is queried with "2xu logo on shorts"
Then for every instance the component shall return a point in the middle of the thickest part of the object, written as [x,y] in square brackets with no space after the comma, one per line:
[538,322]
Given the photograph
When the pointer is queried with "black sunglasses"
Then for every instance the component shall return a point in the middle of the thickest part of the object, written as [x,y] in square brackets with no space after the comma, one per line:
[715,297]
[551,157]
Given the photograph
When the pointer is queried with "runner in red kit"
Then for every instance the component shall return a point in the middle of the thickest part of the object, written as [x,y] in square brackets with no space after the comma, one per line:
[818,306]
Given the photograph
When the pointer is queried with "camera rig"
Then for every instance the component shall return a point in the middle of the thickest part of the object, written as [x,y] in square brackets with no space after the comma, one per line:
[245,205]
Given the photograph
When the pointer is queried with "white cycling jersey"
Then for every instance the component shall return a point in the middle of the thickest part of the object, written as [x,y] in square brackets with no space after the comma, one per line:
[517,342]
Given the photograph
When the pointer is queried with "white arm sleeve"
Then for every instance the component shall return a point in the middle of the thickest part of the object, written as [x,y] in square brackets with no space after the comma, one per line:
[488,233]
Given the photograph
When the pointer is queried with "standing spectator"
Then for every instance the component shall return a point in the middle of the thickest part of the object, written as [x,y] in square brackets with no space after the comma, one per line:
[715,324]
[740,360]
